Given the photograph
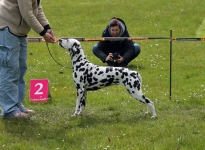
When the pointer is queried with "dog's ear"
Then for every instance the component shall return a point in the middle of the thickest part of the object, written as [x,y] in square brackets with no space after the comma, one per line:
[75,49]
[76,45]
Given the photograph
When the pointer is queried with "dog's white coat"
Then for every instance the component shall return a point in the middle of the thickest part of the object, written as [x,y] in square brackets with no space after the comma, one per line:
[88,76]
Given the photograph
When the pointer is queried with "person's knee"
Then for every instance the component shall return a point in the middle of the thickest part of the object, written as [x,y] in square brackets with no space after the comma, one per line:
[94,48]
[137,49]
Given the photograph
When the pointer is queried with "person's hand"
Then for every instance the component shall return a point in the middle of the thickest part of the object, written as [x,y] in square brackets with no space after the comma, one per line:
[109,57]
[50,31]
[120,60]
[49,37]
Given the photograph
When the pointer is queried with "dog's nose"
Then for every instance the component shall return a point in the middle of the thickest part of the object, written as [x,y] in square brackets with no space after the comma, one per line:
[59,42]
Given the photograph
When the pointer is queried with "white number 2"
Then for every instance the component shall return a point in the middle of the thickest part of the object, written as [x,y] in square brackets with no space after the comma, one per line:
[38,92]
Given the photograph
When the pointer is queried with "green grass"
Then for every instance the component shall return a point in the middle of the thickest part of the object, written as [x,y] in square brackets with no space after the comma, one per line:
[111,113]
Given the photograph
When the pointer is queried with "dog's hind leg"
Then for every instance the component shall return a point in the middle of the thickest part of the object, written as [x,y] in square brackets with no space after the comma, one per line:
[80,102]
[150,104]
[151,109]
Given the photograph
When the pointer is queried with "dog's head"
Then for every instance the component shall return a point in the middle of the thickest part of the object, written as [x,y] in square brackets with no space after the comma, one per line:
[72,45]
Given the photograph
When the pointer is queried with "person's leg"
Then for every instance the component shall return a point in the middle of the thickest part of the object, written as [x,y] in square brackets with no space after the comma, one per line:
[137,51]
[123,64]
[109,63]
[23,68]
[112,63]
[94,49]
[9,73]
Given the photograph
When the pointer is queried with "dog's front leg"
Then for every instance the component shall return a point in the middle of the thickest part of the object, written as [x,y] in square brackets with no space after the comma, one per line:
[80,102]
[77,109]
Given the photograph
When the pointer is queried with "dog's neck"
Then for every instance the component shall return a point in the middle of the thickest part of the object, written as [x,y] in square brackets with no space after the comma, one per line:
[78,59]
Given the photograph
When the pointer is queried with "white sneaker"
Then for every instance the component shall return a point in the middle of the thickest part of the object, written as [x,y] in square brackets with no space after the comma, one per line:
[29,111]
[20,115]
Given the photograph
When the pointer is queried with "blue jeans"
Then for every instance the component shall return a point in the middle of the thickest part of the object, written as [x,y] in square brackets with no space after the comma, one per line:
[110,63]
[13,66]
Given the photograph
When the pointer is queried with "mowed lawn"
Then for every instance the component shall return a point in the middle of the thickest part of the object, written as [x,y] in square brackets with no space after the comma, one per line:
[113,119]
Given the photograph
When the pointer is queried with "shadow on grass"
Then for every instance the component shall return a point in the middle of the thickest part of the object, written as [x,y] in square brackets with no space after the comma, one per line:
[110,118]
[135,67]
[52,128]
[40,132]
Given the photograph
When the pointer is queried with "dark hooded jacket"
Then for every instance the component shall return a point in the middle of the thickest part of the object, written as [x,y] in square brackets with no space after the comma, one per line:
[125,48]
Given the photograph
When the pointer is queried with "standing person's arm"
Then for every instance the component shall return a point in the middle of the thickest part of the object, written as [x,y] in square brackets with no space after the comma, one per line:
[38,23]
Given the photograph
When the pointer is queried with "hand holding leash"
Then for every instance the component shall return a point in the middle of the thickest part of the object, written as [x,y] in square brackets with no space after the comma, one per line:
[50,31]
[49,37]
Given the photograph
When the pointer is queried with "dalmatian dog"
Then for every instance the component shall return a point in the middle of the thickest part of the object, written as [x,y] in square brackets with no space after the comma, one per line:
[88,76]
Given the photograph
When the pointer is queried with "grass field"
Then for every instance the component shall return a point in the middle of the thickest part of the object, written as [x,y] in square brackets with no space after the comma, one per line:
[113,120]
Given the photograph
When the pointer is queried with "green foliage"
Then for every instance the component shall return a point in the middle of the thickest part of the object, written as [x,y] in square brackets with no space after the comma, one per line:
[112,118]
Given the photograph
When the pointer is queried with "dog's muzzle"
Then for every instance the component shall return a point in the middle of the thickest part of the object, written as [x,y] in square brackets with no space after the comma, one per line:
[59,42]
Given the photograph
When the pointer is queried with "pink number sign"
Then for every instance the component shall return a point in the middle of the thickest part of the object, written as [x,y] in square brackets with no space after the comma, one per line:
[39,90]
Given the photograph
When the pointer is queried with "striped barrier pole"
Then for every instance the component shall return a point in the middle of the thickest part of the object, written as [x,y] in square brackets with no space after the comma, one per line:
[188,39]
[38,39]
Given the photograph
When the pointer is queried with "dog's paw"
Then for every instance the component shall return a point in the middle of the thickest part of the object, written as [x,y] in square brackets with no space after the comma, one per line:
[154,116]
[80,113]
[74,115]
[147,112]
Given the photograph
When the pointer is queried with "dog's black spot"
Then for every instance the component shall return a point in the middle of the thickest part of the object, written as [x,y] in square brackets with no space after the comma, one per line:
[84,78]
[89,80]
[93,88]
[86,72]
[81,92]
[137,84]
[81,79]
[110,81]
[90,75]
[103,81]
[82,103]
[109,69]
[109,76]
[130,84]
[134,75]
[78,86]
[75,75]
[78,59]
[146,100]
[95,79]
[124,74]
[107,81]
[82,69]
[101,72]
[125,82]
